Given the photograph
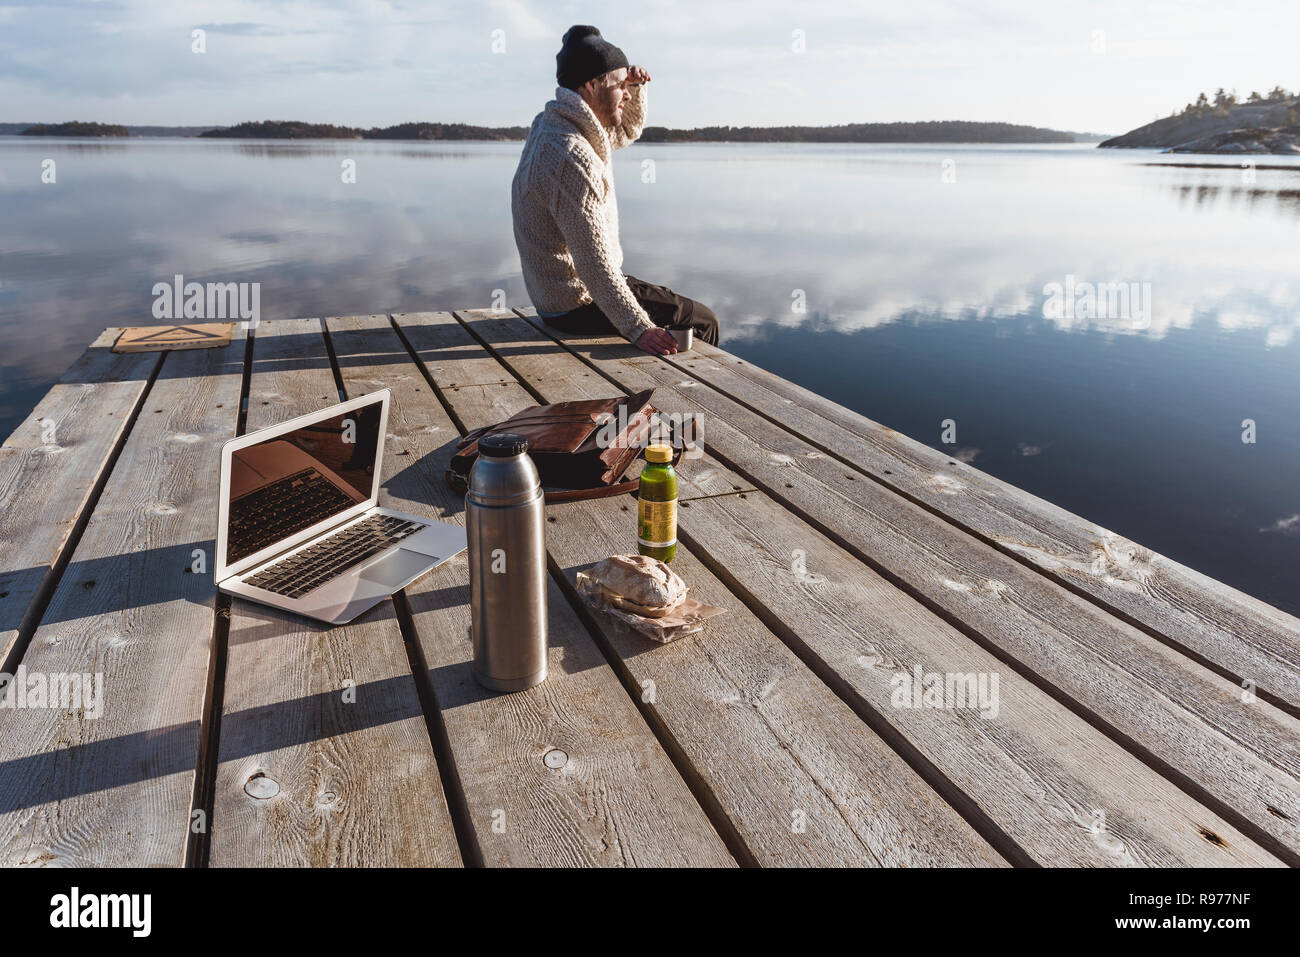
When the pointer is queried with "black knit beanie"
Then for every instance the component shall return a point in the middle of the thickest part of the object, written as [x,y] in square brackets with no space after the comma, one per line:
[585,55]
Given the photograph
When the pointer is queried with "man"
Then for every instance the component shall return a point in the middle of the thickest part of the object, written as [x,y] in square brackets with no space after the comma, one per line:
[565,213]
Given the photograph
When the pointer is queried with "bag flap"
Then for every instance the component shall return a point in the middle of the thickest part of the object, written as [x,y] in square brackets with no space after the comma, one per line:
[542,427]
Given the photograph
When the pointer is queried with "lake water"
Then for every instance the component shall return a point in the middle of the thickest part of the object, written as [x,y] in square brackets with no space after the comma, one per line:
[911,283]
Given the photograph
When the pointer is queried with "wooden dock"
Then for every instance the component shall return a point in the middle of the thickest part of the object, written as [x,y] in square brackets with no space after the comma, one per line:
[1145,714]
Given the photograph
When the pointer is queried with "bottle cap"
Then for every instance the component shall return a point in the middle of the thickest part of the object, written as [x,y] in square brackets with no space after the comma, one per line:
[658,453]
[502,445]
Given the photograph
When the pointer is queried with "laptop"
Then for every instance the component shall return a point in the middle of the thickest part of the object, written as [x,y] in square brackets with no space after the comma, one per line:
[299,523]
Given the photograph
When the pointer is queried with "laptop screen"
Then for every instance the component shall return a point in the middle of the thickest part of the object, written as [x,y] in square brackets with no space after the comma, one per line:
[291,482]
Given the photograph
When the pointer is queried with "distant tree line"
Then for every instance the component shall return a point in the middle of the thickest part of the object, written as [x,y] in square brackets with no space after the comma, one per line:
[74,129]
[1224,101]
[928,132]
[294,130]
[935,131]
[943,131]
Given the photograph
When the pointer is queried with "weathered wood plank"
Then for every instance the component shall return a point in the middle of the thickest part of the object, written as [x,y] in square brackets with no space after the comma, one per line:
[50,467]
[1245,637]
[800,778]
[617,799]
[116,789]
[331,715]
[456,360]
[1193,725]
[1062,790]
[1066,793]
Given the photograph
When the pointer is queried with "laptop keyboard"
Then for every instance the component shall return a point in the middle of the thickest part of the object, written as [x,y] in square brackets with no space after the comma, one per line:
[309,569]
[282,509]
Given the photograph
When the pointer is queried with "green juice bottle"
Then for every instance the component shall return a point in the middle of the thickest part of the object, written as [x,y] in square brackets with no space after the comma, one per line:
[656,525]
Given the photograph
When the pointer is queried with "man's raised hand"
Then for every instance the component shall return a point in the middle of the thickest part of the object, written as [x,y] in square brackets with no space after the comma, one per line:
[637,74]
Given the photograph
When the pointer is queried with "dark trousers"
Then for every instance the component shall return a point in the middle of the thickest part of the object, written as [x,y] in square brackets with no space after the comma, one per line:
[664,307]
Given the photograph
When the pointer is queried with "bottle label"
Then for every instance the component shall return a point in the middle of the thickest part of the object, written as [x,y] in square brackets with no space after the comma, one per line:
[656,523]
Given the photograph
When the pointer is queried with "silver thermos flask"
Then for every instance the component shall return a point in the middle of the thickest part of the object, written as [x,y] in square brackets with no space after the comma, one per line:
[506,527]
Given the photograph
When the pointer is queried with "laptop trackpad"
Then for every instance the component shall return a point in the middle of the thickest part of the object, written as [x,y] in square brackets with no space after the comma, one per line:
[394,570]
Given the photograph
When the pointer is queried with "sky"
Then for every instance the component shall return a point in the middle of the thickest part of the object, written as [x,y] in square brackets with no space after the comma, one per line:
[1103,66]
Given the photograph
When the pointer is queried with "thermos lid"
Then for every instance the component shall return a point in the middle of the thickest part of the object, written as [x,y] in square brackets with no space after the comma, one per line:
[502,445]
[658,453]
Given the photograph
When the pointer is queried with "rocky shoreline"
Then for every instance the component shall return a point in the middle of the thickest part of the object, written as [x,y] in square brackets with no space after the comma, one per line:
[1277,140]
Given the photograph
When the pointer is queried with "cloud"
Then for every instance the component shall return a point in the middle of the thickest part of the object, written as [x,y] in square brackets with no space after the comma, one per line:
[250,29]
[518,20]
[1290,525]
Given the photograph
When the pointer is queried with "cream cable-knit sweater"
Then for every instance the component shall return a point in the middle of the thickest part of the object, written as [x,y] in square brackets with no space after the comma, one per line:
[566,215]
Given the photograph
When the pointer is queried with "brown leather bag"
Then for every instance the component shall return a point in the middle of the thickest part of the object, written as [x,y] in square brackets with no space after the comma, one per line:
[566,443]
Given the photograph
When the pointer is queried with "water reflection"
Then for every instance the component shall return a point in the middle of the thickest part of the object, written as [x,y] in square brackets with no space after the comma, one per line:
[52,145]
[1207,196]
[271,149]
[770,235]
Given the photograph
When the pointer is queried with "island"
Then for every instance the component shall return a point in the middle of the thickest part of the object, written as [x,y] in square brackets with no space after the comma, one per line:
[75,128]
[941,131]
[296,130]
[1263,123]
[930,131]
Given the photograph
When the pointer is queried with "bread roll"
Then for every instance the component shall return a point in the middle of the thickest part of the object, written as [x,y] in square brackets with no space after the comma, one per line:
[640,584]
